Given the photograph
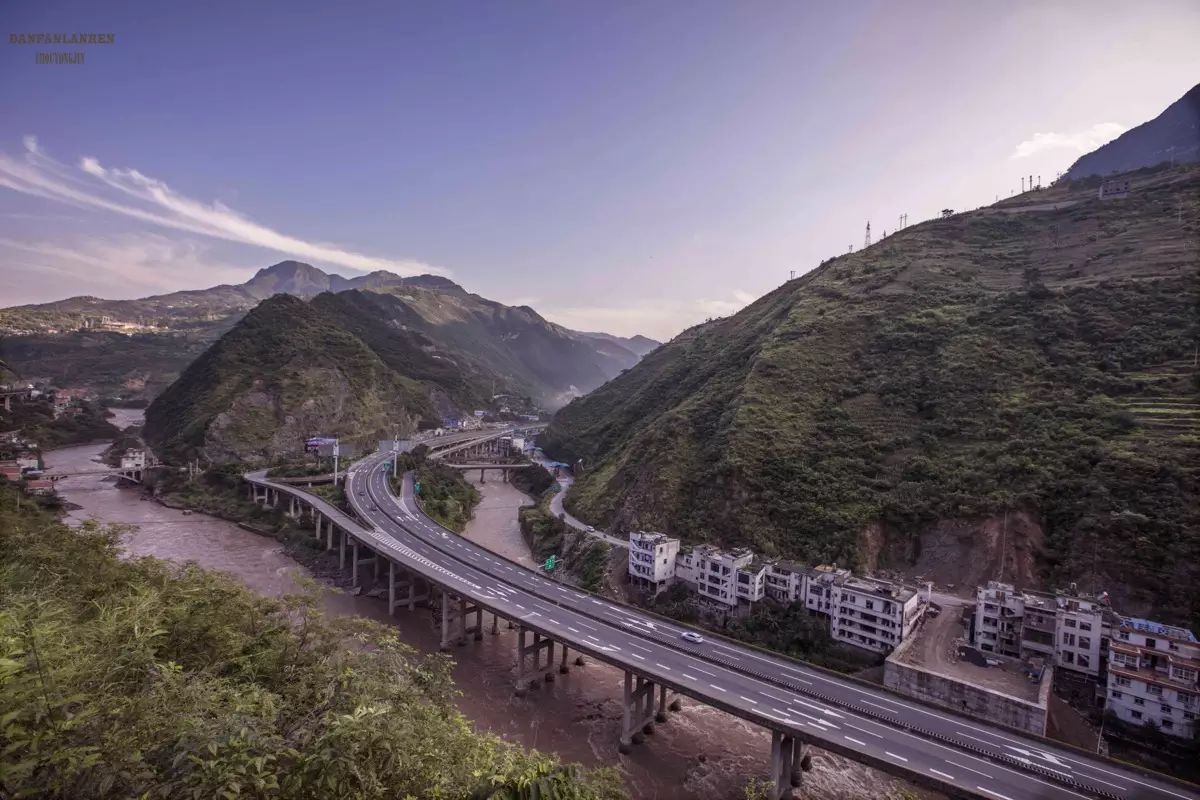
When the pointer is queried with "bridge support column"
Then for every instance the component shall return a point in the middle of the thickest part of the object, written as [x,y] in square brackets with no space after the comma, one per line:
[495,624]
[455,610]
[318,521]
[403,589]
[790,759]
[639,711]
[358,561]
[563,669]
[330,532]
[342,550]
[528,674]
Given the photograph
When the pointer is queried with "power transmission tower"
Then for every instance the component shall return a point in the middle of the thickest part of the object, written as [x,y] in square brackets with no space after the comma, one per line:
[1022,184]
[867,239]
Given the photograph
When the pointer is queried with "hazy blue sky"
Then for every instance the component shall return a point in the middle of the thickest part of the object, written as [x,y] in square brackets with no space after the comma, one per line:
[632,167]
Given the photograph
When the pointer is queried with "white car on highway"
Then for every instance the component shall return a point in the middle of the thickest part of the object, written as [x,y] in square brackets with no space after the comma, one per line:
[692,637]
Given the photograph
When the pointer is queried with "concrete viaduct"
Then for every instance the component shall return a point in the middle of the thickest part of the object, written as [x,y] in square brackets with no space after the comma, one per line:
[801,705]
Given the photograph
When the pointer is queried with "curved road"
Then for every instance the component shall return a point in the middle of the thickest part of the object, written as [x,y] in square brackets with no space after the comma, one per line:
[958,755]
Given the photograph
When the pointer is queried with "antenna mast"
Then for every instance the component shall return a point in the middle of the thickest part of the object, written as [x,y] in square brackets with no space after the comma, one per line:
[867,239]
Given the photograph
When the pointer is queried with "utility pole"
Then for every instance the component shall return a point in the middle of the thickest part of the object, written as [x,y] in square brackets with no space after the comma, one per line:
[335,461]
[867,240]
[1022,184]
[792,275]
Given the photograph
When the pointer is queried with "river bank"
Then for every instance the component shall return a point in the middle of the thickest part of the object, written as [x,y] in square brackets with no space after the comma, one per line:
[700,753]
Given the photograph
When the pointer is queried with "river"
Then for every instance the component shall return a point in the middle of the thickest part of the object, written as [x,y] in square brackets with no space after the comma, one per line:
[699,753]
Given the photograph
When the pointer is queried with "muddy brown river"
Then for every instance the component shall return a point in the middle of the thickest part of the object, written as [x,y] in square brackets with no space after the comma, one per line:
[699,753]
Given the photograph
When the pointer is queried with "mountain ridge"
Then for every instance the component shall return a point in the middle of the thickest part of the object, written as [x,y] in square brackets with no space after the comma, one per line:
[1172,136]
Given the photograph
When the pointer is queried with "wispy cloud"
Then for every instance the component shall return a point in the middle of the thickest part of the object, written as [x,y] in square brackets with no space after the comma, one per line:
[142,262]
[659,319]
[1083,141]
[130,193]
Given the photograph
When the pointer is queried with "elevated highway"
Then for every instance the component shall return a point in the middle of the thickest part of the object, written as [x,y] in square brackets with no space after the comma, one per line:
[800,704]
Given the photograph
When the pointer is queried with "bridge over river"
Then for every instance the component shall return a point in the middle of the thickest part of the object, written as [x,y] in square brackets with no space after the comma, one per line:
[800,704]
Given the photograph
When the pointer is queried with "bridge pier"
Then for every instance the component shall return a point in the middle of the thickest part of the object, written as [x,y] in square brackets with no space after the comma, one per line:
[639,711]
[790,759]
[407,584]
[455,610]
[528,674]
[356,561]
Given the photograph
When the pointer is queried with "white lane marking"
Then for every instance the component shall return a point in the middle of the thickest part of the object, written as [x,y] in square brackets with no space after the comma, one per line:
[856,741]
[639,647]
[945,775]
[597,602]
[864,730]
[968,769]
[640,658]
[689,677]
[706,672]
[718,688]
[993,793]
[748,700]
[593,638]
[893,755]
[572,630]
[662,666]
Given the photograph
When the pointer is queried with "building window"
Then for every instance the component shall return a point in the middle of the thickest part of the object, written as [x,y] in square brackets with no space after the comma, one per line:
[1068,657]
[1137,701]
[1116,695]
[1166,710]
[1085,643]
[1135,714]
[1168,724]
[1070,623]
[1069,638]
[1122,680]
[1151,643]
[1154,690]
[1084,661]
[1085,626]
[1123,635]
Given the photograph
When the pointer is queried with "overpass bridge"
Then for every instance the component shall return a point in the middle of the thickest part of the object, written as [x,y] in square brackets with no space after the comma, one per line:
[130,475]
[801,705]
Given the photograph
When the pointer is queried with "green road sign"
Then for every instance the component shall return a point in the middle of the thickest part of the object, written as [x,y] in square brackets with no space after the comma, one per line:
[416,487]
[550,563]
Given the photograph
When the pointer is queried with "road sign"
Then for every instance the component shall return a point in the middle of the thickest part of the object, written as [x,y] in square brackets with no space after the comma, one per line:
[551,562]
[416,487]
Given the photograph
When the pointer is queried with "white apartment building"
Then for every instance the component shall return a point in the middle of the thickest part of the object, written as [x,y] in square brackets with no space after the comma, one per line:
[999,609]
[714,574]
[873,614]
[652,560]
[133,459]
[1078,624]
[819,587]
[785,581]
[1064,628]
[1154,675]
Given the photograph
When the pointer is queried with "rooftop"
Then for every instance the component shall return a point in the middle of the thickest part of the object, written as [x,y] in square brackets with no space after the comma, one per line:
[893,591]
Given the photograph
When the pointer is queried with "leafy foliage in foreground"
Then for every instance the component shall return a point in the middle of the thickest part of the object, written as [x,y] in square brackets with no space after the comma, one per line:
[143,679]
[1035,356]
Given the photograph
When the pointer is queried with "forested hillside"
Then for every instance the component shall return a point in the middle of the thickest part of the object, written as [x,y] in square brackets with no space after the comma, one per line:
[1009,392]
[146,679]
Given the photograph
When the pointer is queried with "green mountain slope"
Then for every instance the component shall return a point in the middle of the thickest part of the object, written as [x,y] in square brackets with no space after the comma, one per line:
[134,348]
[285,372]
[1006,392]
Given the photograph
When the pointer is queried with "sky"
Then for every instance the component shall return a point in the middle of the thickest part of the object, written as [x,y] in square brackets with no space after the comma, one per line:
[619,166]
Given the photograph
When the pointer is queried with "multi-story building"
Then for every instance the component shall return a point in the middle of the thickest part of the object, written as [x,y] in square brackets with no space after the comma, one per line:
[873,614]
[1065,628]
[999,609]
[1154,675]
[652,560]
[134,458]
[819,587]
[752,581]
[1079,622]
[785,581]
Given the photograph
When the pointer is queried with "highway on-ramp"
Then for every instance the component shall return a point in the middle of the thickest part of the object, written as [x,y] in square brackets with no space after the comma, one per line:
[956,753]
